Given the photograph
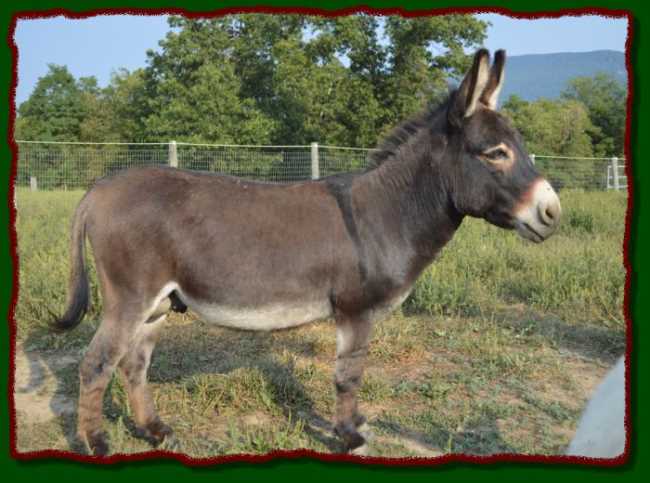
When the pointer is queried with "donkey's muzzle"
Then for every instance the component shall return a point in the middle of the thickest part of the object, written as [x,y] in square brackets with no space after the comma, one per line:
[538,215]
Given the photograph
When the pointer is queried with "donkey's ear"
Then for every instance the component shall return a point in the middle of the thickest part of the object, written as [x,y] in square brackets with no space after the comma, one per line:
[470,89]
[490,95]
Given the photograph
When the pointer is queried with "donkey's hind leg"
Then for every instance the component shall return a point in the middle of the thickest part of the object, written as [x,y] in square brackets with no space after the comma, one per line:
[133,368]
[351,350]
[106,349]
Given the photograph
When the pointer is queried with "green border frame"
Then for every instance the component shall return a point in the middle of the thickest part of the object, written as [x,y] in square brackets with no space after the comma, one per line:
[304,467]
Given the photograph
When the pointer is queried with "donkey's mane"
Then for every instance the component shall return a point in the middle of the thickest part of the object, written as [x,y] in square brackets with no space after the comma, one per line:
[403,132]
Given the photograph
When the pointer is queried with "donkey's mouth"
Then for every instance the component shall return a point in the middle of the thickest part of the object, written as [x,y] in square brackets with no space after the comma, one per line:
[529,233]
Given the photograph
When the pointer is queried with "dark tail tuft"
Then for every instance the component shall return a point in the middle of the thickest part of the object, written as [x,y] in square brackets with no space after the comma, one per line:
[78,289]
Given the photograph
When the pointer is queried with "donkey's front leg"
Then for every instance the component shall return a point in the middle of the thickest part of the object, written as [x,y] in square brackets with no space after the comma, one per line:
[352,337]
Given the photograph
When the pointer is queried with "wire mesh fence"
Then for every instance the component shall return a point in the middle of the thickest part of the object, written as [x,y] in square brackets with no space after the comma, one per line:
[333,159]
[69,166]
[583,173]
[264,163]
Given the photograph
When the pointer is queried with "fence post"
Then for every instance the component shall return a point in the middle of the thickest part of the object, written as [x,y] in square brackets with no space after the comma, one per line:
[315,168]
[615,173]
[173,154]
[33,183]
[532,158]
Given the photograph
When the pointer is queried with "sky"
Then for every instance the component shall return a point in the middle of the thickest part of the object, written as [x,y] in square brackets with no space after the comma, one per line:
[545,36]
[100,45]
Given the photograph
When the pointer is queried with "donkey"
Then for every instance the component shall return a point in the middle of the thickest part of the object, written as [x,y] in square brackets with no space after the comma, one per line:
[264,256]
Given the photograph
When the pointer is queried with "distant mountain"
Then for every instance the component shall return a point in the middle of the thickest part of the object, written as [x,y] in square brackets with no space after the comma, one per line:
[547,75]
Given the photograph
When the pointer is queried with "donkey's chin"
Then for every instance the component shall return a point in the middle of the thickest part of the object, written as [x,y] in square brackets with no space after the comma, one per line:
[535,234]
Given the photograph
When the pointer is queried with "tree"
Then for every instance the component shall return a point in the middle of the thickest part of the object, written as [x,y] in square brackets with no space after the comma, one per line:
[259,79]
[558,127]
[295,79]
[561,128]
[62,108]
[321,102]
[125,104]
[193,91]
[423,53]
[251,42]
[350,59]
[604,98]
[97,124]
[54,110]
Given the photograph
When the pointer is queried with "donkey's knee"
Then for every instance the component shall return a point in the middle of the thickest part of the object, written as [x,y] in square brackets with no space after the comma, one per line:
[93,369]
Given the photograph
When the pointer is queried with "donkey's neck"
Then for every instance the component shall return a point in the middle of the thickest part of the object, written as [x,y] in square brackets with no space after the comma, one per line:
[413,187]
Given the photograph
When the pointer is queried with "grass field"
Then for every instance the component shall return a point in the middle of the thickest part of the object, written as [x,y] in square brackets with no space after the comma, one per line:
[495,351]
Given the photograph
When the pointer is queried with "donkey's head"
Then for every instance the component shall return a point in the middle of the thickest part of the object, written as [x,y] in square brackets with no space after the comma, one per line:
[493,176]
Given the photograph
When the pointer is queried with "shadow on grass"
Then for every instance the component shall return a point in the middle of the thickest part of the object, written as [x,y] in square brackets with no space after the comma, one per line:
[224,352]
[178,356]
[188,350]
[604,344]
[480,437]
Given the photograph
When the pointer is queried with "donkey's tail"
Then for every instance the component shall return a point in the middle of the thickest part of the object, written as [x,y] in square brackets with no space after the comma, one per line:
[78,289]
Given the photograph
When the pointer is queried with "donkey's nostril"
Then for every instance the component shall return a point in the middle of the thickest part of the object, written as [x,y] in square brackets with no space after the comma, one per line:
[550,213]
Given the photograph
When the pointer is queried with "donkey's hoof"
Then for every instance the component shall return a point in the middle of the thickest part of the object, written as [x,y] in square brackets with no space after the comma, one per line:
[98,443]
[351,438]
[155,432]
[363,450]
[353,441]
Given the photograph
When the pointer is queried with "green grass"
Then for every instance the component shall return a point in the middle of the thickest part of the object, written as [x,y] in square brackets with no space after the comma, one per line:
[496,349]
[577,274]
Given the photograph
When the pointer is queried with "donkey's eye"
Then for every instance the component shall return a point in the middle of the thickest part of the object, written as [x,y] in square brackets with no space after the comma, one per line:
[500,154]
[496,154]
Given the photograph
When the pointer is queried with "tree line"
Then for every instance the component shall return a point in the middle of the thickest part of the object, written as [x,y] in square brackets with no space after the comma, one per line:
[288,79]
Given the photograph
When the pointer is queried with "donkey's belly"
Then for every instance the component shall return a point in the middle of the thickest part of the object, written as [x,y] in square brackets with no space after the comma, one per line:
[281,315]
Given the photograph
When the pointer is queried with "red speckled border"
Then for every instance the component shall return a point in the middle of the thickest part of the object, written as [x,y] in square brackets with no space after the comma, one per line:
[190,461]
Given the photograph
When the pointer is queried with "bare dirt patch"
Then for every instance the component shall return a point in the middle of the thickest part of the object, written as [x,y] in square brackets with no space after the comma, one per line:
[37,394]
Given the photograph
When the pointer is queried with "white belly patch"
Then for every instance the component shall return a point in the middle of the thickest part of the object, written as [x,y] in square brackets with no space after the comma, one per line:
[280,315]
[267,317]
